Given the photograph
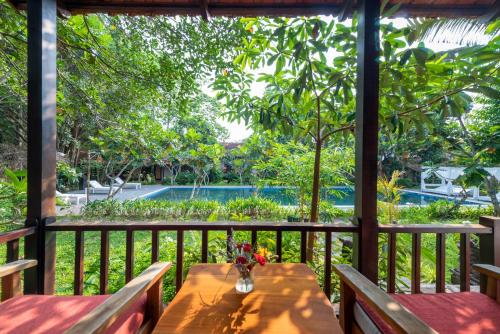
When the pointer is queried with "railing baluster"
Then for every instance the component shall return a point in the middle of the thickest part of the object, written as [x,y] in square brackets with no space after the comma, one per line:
[79,256]
[328,265]
[254,237]
[440,262]
[11,284]
[303,246]
[416,243]
[204,246]
[180,259]
[391,275]
[229,235]
[155,246]
[465,262]
[13,250]
[103,279]
[129,256]
[279,251]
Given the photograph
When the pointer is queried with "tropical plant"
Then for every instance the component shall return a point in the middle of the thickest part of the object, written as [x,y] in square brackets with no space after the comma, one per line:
[390,195]
[309,94]
[290,165]
[138,142]
[13,196]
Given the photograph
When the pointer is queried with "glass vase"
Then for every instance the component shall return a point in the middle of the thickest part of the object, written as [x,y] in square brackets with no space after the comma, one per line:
[244,283]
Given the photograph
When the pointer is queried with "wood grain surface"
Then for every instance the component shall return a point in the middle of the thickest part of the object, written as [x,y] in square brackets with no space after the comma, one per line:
[286,299]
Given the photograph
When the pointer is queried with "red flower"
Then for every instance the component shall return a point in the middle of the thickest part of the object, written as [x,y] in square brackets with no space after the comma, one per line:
[260,259]
[241,260]
[249,267]
[247,247]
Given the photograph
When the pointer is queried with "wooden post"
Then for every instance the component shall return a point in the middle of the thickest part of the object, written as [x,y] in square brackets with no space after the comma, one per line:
[346,313]
[79,258]
[11,284]
[365,246]
[489,247]
[42,89]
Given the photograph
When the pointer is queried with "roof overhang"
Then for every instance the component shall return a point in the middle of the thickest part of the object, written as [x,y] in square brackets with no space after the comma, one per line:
[409,8]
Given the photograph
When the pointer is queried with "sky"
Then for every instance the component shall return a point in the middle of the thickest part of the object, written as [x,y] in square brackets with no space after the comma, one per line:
[238,131]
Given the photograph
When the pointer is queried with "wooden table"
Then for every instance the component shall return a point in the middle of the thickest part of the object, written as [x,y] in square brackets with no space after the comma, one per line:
[286,300]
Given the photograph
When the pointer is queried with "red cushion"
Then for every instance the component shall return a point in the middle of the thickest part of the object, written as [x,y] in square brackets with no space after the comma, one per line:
[461,313]
[36,314]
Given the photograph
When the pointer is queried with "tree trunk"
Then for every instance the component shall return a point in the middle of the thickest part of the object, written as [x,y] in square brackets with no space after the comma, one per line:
[87,186]
[311,238]
[492,189]
[194,188]
[315,188]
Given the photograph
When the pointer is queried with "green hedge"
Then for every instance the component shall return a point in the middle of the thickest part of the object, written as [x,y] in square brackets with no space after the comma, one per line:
[240,208]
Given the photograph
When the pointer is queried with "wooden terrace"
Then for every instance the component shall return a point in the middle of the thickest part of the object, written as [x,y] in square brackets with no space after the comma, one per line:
[139,303]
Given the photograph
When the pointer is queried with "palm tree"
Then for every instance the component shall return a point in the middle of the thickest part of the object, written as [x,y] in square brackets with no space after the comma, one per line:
[462,31]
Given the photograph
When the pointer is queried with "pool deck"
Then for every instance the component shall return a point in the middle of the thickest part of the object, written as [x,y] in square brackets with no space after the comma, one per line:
[126,194]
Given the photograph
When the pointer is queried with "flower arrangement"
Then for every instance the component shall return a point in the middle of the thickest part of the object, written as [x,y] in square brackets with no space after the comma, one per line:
[245,257]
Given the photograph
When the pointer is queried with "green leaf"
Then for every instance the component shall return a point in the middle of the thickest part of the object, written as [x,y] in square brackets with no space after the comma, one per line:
[391,11]
[405,57]
[420,56]
[387,50]
[488,91]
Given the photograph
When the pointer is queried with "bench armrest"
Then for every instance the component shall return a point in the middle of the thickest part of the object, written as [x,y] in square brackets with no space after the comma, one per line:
[355,286]
[488,270]
[493,275]
[103,316]
[10,275]
[16,267]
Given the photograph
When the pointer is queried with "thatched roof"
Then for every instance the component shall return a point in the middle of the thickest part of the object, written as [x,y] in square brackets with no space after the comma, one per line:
[429,8]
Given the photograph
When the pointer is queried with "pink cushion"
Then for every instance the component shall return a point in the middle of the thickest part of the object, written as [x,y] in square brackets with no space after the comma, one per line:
[36,314]
[461,313]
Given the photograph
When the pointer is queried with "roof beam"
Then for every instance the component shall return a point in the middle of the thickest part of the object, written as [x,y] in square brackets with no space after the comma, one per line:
[259,9]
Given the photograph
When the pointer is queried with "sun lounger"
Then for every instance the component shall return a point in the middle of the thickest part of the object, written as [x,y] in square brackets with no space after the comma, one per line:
[134,185]
[69,197]
[96,187]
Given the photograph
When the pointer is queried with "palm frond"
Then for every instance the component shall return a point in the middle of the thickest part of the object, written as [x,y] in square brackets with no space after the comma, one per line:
[462,31]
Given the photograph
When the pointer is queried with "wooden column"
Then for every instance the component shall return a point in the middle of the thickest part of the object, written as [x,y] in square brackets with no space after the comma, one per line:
[41,143]
[489,247]
[366,241]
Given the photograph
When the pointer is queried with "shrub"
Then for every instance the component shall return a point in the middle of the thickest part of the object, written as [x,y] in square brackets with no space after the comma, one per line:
[185,178]
[103,208]
[328,212]
[406,182]
[255,207]
[231,177]
[443,210]
[449,210]
[199,209]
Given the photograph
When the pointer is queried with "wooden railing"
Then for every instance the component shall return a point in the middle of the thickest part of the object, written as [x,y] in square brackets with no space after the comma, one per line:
[490,248]
[440,230]
[11,239]
[180,227]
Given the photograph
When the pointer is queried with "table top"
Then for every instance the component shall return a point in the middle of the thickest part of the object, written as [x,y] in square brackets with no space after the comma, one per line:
[286,299]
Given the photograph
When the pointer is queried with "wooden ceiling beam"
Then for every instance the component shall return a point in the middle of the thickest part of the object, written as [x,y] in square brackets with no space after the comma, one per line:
[257,9]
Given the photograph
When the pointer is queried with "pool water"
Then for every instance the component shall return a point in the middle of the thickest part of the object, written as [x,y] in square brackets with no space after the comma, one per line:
[284,196]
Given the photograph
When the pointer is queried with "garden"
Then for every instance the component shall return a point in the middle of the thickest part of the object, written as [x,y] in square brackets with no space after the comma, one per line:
[135,101]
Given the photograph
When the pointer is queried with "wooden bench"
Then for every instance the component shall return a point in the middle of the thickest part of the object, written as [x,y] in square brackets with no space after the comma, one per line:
[140,298]
[365,308]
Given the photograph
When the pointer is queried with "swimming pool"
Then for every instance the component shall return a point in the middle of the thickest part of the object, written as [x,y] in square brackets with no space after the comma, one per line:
[282,195]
